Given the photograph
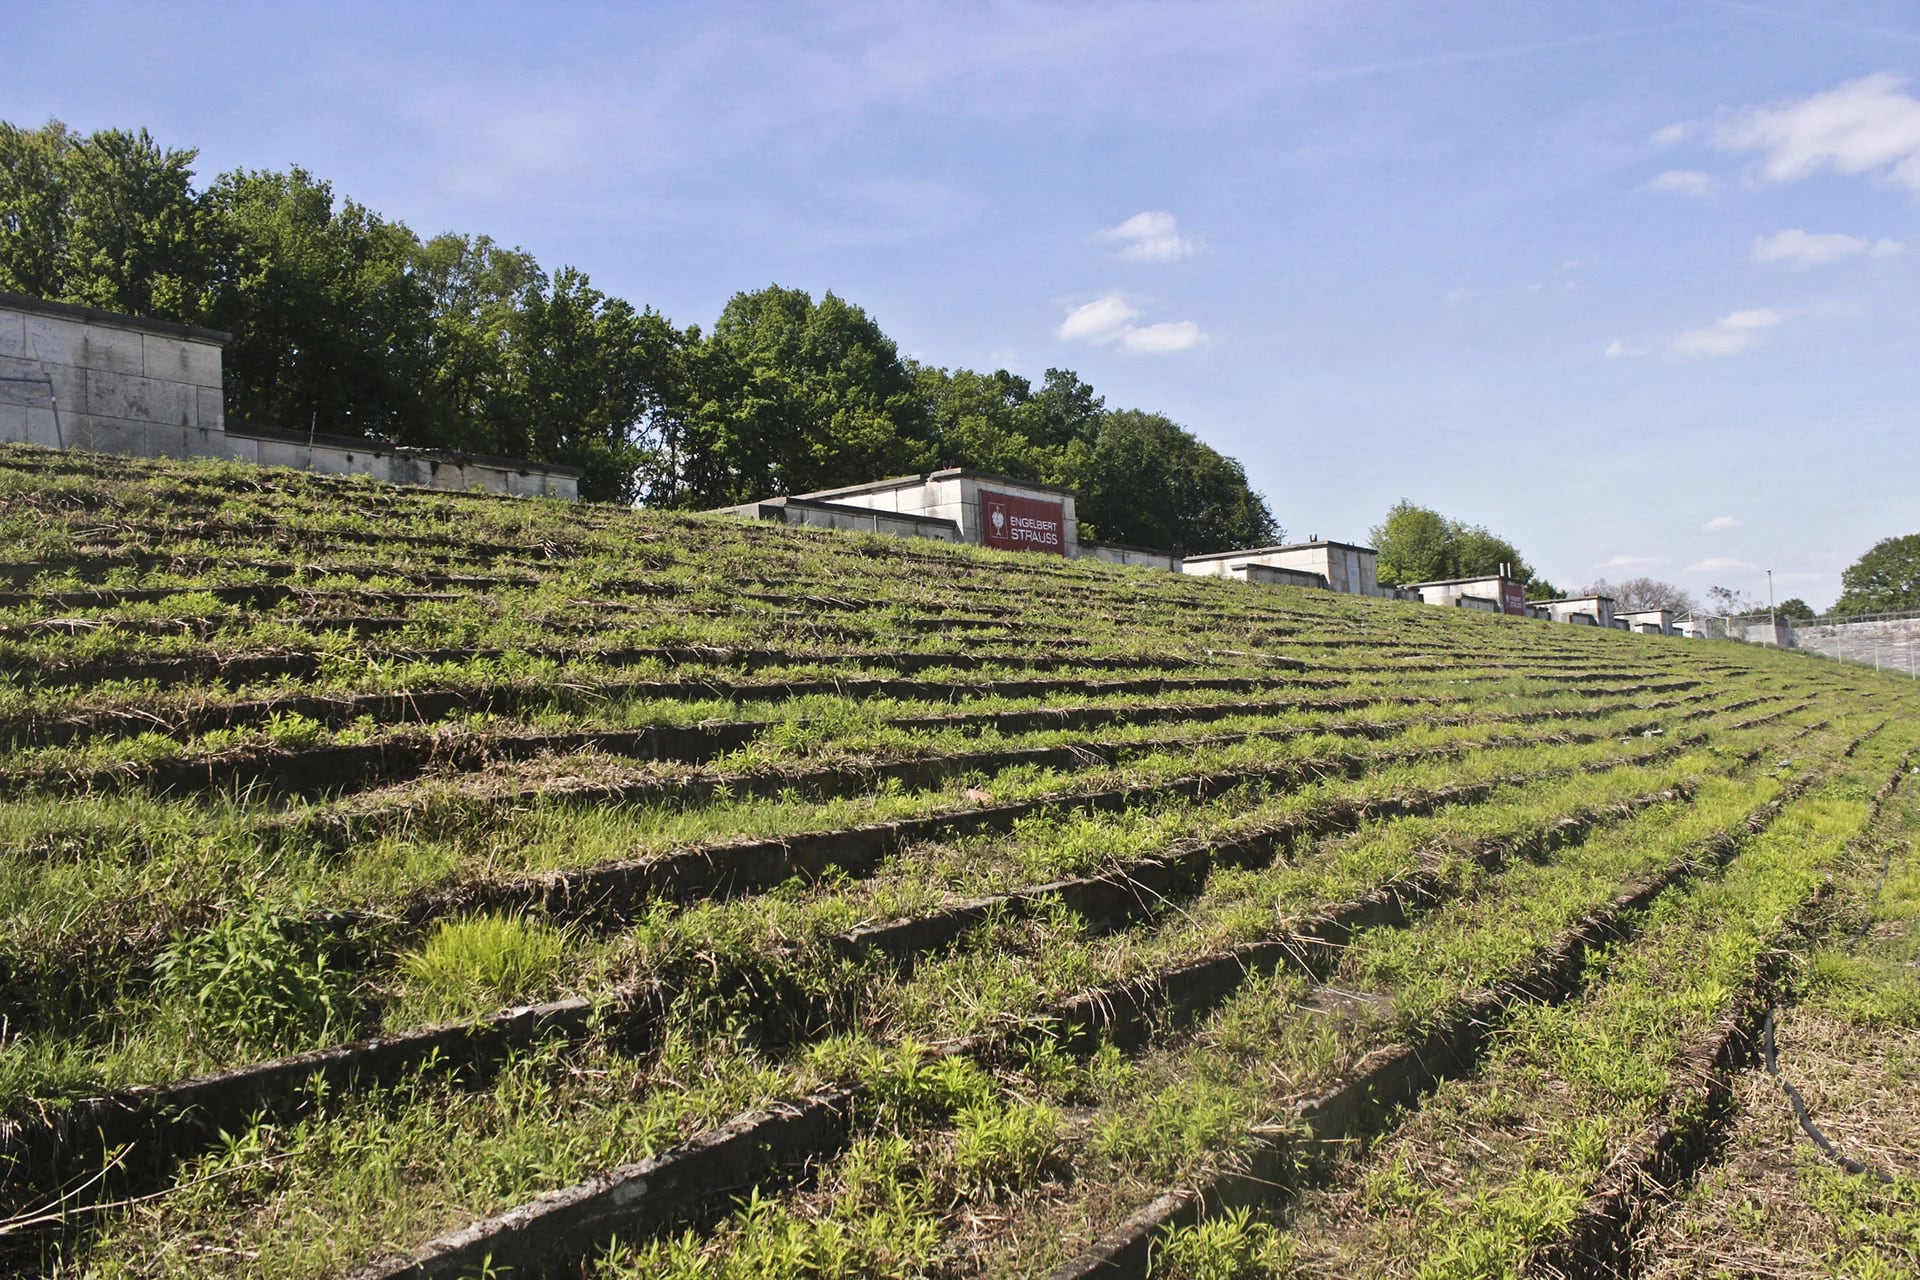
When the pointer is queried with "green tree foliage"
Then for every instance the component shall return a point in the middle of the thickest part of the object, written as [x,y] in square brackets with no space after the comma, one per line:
[347,323]
[1417,544]
[1884,580]
[1145,480]
[33,208]
[330,322]
[1797,609]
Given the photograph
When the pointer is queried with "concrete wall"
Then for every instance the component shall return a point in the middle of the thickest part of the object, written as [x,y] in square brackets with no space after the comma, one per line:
[848,518]
[1654,622]
[122,384]
[1597,609]
[1347,569]
[953,494]
[1119,553]
[428,468]
[1889,643]
[1273,576]
[152,388]
[1492,587]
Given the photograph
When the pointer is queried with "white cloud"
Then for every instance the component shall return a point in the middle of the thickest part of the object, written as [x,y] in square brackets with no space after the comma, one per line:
[1153,236]
[1686,182]
[1618,350]
[1720,524]
[1671,134]
[1105,319]
[1863,126]
[1631,562]
[1799,248]
[1722,564]
[1160,339]
[1109,319]
[1728,336]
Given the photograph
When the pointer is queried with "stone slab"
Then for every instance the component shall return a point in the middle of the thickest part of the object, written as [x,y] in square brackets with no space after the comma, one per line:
[140,399]
[180,360]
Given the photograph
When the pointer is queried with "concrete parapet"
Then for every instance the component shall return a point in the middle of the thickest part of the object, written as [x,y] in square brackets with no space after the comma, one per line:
[1120,553]
[809,513]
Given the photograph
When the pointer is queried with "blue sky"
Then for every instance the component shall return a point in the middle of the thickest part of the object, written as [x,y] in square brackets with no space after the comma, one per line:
[1631,284]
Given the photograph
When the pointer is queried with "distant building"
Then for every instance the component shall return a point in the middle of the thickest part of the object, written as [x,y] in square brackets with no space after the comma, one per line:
[1653,622]
[1494,593]
[955,505]
[1337,566]
[1585,611]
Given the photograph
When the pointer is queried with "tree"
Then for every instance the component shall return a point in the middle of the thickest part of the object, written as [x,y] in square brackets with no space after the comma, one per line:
[1417,544]
[1884,580]
[1541,589]
[331,325]
[1726,602]
[1636,594]
[137,239]
[33,208]
[1145,480]
[1797,609]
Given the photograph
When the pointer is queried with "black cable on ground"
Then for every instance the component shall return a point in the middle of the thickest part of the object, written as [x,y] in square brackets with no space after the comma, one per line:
[1770,1054]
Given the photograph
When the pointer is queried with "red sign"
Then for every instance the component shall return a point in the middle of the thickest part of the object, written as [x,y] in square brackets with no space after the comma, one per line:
[1022,524]
[1513,597]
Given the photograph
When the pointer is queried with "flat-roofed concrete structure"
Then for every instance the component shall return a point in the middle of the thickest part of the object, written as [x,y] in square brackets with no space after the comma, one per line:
[1507,595]
[1348,569]
[988,510]
[1653,622]
[75,377]
[1598,610]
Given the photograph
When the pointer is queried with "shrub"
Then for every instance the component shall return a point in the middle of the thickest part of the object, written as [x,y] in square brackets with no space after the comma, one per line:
[482,962]
[260,978]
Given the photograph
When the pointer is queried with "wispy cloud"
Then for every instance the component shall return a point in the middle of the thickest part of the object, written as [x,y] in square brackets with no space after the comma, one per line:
[1797,248]
[1728,336]
[1618,350]
[1686,182]
[1153,236]
[1720,524]
[1104,319]
[1109,320]
[1671,134]
[1722,564]
[1631,562]
[1161,339]
[1864,126]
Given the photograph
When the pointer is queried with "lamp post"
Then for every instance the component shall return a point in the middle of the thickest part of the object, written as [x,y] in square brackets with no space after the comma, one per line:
[1773,619]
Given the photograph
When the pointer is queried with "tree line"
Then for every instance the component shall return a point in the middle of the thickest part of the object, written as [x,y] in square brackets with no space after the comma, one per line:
[346,322]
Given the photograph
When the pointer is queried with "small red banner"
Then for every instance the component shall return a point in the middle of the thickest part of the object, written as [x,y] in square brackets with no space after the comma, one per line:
[1513,597]
[1022,524]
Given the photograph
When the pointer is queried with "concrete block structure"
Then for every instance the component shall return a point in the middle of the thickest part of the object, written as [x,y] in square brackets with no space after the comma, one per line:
[446,469]
[988,510]
[806,513]
[1598,610]
[1121,553]
[76,377]
[1653,622]
[79,378]
[1503,594]
[1348,569]
[1274,576]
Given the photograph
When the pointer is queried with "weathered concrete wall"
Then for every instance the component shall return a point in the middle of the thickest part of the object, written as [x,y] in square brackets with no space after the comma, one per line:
[1891,644]
[848,518]
[121,384]
[1120,553]
[1274,576]
[1657,622]
[427,468]
[953,494]
[1347,569]
[1598,610]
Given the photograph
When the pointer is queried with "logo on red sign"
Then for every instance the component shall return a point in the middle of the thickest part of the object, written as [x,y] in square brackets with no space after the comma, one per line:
[1022,524]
